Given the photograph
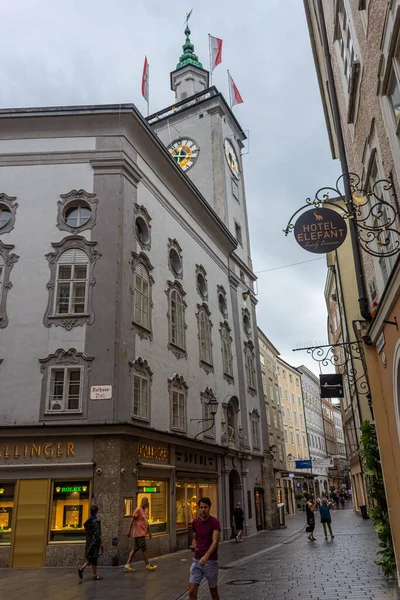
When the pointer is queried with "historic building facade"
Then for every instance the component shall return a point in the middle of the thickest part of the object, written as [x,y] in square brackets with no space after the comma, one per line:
[273,408]
[129,361]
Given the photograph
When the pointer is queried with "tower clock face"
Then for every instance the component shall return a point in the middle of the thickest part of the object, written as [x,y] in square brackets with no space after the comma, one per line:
[184,152]
[232,159]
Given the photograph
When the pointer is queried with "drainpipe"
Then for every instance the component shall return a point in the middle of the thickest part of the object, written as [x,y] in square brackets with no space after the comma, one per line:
[362,296]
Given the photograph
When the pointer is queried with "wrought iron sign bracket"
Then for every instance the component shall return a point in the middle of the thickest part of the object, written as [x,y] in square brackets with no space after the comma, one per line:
[394,322]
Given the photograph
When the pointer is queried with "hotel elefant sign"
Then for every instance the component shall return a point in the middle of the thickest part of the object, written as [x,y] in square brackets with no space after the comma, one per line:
[320,230]
[15,451]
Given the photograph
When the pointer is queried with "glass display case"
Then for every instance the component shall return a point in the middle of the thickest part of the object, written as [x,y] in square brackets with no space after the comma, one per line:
[7,491]
[70,510]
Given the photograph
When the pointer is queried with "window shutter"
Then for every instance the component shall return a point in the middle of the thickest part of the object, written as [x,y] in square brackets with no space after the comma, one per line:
[73,256]
[142,271]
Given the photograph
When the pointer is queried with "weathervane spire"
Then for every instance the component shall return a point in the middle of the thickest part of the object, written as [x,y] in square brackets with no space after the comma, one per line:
[188,57]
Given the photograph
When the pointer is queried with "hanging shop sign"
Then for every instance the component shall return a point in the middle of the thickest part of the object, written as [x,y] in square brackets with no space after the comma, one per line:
[303,464]
[331,385]
[320,230]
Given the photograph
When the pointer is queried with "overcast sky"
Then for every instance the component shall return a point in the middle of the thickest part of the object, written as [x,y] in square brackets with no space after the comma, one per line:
[91,52]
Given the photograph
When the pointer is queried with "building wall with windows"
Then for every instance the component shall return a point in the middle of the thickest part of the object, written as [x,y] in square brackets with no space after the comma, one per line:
[315,427]
[133,327]
[273,408]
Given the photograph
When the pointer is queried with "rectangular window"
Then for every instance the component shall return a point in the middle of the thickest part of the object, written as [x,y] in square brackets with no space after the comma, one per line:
[301,420]
[238,233]
[291,435]
[290,378]
[140,397]
[65,389]
[289,414]
[142,297]
[394,96]
[186,497]
[298,438]
[280,451]
[235,189]
[280,392]
[304,441]
[71,289]
[295,416]
[292,396]
[287,395]
[299,400]
[128,507]
[284,373]
[70,510]
[262,359]
[264,383]
[274,417]
[255,429]
[157,494]
[285,431]
[178,411]
[6,511]
[268,415]
[297,382]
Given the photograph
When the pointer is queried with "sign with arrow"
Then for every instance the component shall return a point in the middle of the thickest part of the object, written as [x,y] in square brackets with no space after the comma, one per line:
[331,385]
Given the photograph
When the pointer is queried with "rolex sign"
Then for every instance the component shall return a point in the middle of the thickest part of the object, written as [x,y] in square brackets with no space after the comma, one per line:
[320,230]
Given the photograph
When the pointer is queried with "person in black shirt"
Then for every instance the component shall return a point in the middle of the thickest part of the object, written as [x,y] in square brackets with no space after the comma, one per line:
[310,520]
[238,517]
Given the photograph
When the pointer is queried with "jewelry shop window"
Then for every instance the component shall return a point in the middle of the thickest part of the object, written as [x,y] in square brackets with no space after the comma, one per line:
[157,493]
[187,496]
[6,511]
[70,510]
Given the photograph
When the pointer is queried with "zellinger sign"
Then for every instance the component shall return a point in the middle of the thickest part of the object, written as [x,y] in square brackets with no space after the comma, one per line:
[320,230]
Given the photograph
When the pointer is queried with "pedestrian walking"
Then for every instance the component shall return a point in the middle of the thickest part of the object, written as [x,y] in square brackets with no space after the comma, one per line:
[93,543]
[206,532]
[342,499]
[310,520]
[140,526]
[325,514]
[238,517]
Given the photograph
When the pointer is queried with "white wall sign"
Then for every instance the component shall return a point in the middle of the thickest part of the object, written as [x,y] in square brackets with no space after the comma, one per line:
[101,392]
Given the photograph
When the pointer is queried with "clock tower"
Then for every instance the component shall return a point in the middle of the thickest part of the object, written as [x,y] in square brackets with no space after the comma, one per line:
[206,140]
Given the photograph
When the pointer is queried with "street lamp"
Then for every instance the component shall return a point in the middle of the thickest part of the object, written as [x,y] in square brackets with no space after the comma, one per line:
[213,408]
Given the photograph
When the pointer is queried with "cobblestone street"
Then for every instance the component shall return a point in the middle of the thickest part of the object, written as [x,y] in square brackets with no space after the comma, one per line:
[282,565]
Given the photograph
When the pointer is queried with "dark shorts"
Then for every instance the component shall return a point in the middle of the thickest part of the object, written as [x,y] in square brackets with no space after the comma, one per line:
[139,543]
[239,525]
[325,520]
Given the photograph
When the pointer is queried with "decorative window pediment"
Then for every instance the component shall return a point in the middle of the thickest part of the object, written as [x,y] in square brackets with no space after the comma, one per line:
[77,211]
[142,226]
[141,292]
[141,366]
[7,261]
[71,283]
[8,209]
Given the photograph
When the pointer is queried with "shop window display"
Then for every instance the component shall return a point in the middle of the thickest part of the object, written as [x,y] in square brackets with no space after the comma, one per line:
[6,511]
[156,492]
[187,497]
[70,510]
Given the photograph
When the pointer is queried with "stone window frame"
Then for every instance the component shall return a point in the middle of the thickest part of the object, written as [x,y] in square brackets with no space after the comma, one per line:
[8,260]
[173,244]
[141,368]
[140,211]
[249,355]
[10,203]
[141,259]
[246,315]
[222,292]
[178,384]
[67,201]
[255,422]
[62,359]
[76,242]
[206,396]
[228,376]
[200,270]
[202,309]
[177,350]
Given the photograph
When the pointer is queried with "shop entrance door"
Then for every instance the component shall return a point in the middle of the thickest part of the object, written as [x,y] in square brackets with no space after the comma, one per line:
[30,538]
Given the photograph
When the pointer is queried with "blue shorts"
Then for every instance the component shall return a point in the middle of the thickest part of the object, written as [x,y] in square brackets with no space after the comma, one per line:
[209,571]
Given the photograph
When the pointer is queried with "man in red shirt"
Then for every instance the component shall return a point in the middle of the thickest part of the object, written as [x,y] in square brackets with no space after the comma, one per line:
[206,532]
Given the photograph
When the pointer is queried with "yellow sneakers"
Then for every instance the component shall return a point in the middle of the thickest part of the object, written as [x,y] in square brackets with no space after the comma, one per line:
[150,567]
[129,569]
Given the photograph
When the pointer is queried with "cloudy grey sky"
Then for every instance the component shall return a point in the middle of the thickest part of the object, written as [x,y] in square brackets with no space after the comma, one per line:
[91,51]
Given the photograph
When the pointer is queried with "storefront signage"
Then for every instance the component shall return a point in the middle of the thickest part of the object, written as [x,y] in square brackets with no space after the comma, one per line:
[71,489]
[31,450]
[101,392]
[331,385]
[190,458]
[303,464]
[148,490]
[320,230]
[147,451]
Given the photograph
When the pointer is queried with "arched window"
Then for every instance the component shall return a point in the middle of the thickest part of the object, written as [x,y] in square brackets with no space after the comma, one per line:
[141,313]
[71,283]
[177,326]
[205,343]
[226,347]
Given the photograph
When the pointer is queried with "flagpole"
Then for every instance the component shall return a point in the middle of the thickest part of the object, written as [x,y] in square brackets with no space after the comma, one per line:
[210,55]
[229,89]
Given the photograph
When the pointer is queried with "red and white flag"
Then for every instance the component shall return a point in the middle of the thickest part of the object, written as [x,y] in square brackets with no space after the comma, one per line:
[234,93]
[145,80]
[215,52]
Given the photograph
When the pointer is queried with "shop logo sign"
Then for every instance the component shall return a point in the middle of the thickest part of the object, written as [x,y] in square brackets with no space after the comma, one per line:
[320,230]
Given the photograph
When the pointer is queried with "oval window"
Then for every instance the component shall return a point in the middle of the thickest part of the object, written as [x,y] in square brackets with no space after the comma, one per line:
[175,261]
[5,216]
[78,215]
[142,230]
[201,285]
